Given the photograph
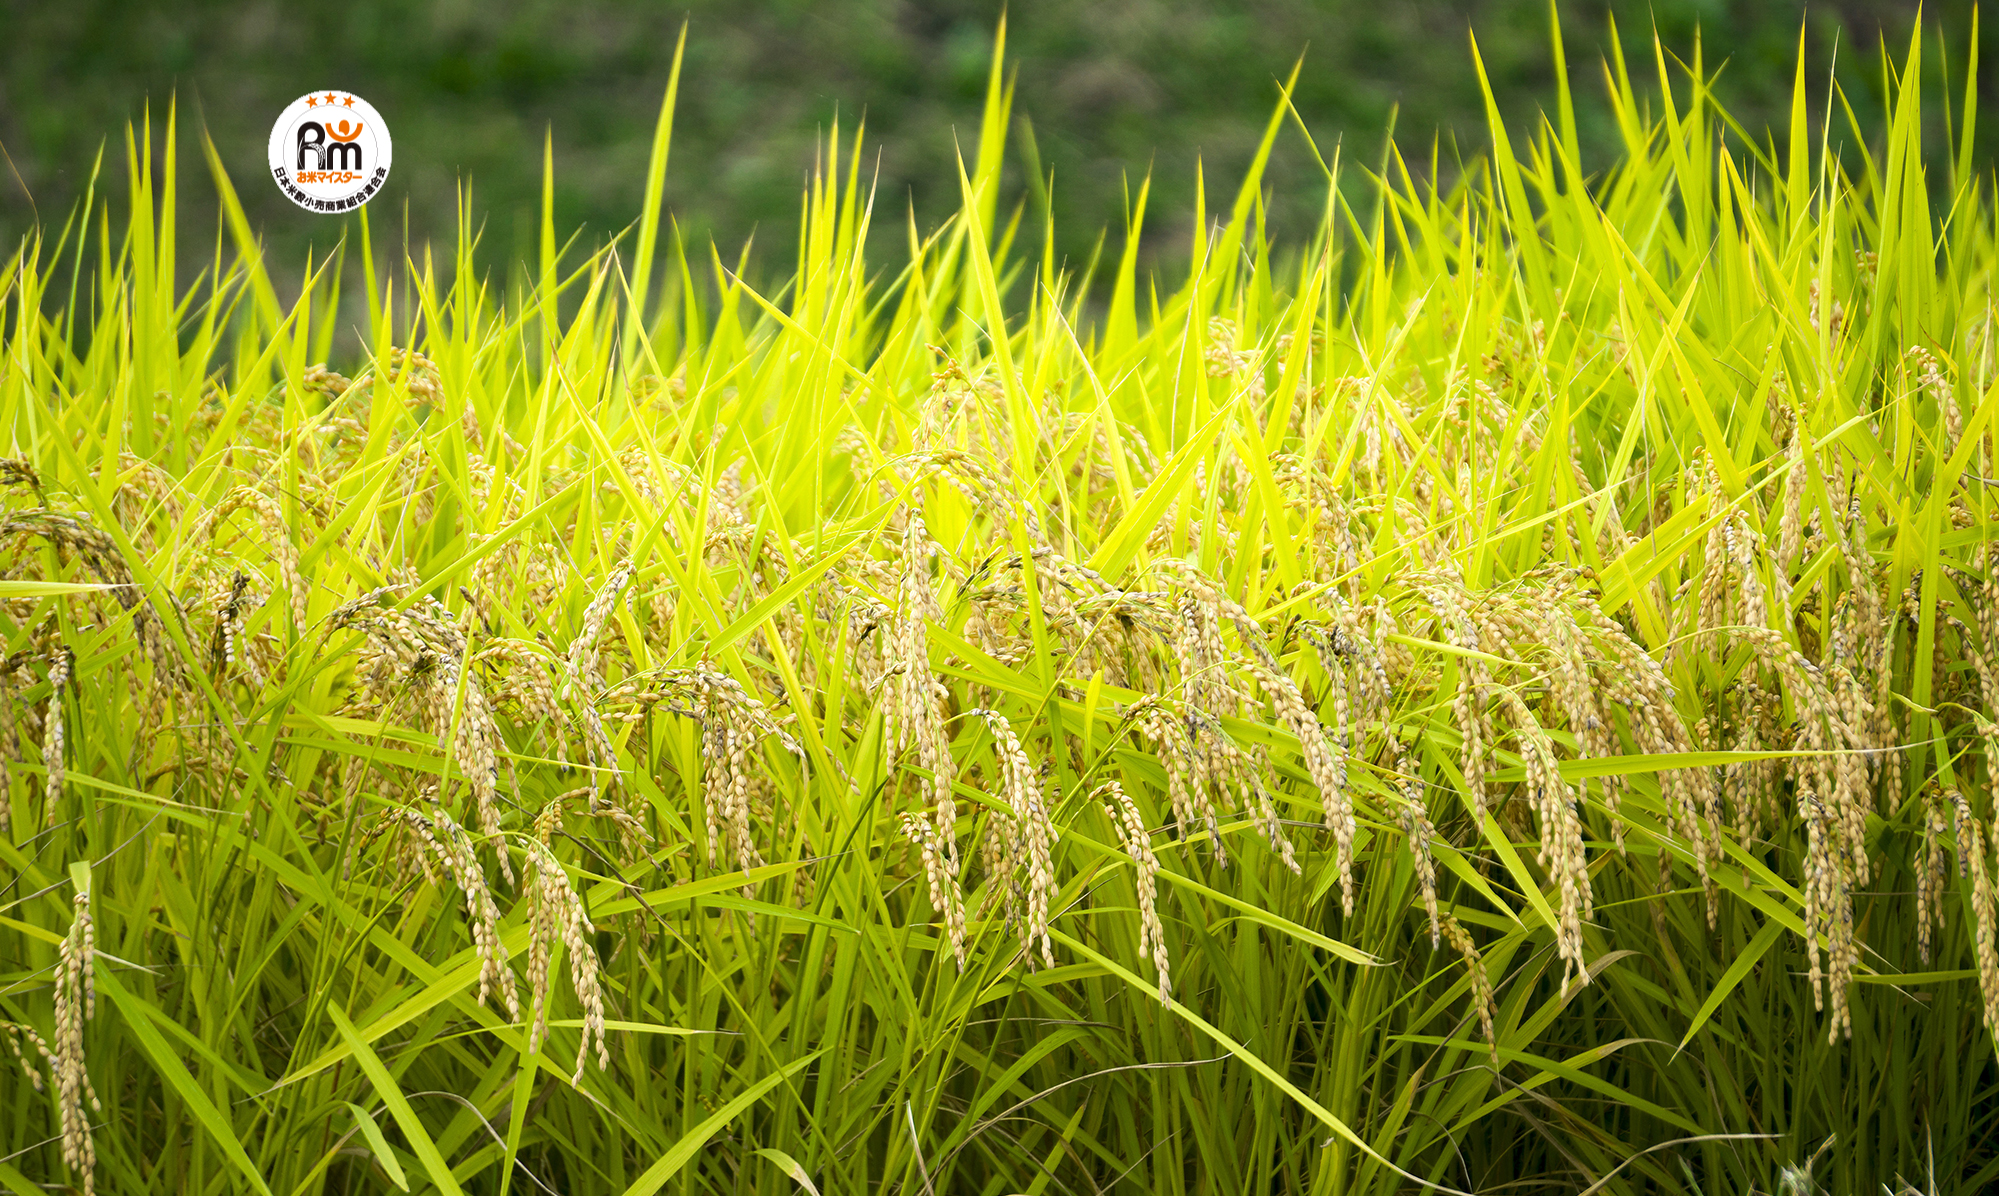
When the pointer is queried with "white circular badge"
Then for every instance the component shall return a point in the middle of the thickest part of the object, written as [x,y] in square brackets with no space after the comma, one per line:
[330,151]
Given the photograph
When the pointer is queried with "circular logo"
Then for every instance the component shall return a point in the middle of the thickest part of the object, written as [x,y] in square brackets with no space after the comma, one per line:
[330,151]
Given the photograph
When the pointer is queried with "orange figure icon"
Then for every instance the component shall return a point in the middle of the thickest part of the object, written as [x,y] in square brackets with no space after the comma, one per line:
[341,132]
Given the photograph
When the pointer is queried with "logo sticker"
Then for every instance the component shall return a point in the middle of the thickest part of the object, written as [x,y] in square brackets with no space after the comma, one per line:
[330,151]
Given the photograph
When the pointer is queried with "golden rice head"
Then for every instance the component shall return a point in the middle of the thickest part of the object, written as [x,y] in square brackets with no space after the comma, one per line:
[419,655]
[555,914]
[1172,745]
[1483,1000]
[726,780]
[76,1003]
[1024,838]
[1930,378]
[914,707]
[45,1055]
[1137,842]
[436,844]
[1932,870]
[62,663]
[1220,766]
[1717,563]
[417,372]
[1972,861]
[10,751]
[527,687]
[1828,913]
[277,539]
[1199,653]
[1418,832]
[941,878]
[1468,703]
[475,746]
[228,651]
[77,540]
[1560,848]
[20,471]
[585,672]
[1556,619]
[583,678]
[1633,679]
[1325,763]
[1271,826]
[320,380]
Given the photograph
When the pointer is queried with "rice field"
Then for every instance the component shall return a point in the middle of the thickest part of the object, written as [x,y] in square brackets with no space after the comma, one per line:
[1496,695]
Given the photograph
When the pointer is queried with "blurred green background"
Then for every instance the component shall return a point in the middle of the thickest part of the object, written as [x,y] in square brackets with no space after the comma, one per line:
[1112,88]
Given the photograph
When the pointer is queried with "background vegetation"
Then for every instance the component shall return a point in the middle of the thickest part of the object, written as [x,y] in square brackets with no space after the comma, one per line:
[1110,89]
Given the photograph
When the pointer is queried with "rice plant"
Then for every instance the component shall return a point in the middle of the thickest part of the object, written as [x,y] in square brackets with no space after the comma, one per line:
[1500,693]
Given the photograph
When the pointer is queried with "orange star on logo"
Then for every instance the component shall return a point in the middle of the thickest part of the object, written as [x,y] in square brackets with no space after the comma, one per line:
[330,97]
[312,101]
[349,101]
